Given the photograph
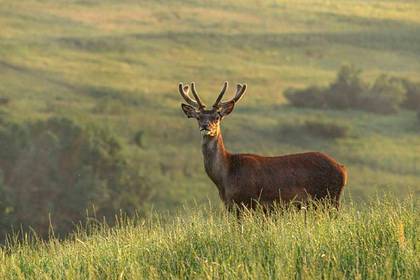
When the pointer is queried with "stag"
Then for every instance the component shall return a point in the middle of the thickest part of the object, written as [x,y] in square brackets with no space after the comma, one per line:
[247,180]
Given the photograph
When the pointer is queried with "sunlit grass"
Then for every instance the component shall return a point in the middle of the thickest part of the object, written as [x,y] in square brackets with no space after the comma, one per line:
[376,241]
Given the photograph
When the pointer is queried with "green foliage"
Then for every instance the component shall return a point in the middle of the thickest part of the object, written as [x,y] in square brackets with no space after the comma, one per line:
[377,241]
[384,96]
[55,170]
[344,93]
[311,97]
[348,91]
[412,101]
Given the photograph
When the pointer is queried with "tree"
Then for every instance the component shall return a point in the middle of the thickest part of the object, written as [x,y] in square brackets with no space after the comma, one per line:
[54,170]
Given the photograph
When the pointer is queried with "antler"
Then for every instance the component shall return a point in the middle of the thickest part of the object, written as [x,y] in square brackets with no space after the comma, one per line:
[201,105]
[240,90]
[219,98]
[183,90]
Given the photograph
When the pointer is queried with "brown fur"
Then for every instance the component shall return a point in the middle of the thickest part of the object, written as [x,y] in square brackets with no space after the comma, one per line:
[247,179]
[243,179]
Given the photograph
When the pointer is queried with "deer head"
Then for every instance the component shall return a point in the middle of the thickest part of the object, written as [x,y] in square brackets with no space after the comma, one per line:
[209,119]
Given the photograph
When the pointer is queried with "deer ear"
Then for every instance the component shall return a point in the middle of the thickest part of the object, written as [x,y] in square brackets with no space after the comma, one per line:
[189,111]
[227,108]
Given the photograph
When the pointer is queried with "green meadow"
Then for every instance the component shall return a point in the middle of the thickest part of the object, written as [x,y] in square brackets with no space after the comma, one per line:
[117,64]
[379,242]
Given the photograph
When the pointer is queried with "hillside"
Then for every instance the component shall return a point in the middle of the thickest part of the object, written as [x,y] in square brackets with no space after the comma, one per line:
[379,242]
[117,64]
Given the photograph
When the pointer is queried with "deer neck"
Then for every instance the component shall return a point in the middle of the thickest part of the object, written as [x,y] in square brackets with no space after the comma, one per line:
[216,159]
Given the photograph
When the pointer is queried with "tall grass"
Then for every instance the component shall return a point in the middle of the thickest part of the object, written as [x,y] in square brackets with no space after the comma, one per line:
[377,241]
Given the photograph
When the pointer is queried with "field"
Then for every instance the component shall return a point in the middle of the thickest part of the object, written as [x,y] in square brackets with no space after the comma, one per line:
[379,242]
[117,65]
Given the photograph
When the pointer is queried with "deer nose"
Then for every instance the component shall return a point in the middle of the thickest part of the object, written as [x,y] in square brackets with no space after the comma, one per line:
[205,126]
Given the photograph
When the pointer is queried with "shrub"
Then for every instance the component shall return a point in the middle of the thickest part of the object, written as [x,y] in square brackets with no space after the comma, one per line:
[346,91]
[54,170]
[384,96]
[326,129]
[312,97]
[412,90]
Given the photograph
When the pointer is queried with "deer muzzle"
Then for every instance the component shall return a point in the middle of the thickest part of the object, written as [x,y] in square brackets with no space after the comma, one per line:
[205,131]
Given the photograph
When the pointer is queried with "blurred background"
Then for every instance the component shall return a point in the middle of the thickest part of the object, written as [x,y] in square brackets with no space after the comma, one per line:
[90,118]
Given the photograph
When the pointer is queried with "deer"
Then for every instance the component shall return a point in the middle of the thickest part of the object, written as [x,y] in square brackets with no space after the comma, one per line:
[248,180]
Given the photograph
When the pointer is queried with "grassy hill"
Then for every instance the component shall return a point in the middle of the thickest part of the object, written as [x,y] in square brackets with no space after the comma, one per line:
[117,64]
[379,242]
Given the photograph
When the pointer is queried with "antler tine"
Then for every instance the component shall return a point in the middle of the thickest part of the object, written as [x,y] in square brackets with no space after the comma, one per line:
[184,93]
[194,92]
[219,98]
[240,90]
